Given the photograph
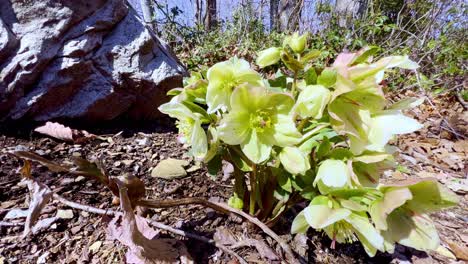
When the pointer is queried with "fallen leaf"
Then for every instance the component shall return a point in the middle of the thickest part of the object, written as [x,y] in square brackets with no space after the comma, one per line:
[224,236]
[143,247]
[170,169]
[460,251]
[445,252]
[41,194]
[64,133]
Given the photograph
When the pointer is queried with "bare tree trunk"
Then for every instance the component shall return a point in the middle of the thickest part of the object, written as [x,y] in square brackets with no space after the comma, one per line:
[210,15]
[198,12]
[274,21]
[290,14]
[347,10]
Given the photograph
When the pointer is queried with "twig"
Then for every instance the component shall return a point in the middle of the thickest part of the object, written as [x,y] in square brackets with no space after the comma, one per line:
[289,253]
[177,202]
[461,100]
[159,225]
[3,223]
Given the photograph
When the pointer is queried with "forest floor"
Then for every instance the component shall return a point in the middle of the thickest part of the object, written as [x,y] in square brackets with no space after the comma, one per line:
[439,150]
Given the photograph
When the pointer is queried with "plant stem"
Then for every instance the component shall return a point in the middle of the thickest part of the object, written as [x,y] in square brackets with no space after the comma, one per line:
[253,179]
[302,124]
[294,84]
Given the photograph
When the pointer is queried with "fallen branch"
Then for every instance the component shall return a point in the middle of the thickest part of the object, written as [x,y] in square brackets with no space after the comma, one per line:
[159,225]
[289,253]
[224,208]
[183,201]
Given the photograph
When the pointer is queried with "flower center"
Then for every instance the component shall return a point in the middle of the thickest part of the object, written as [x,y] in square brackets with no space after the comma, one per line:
[260,120]
[185,129]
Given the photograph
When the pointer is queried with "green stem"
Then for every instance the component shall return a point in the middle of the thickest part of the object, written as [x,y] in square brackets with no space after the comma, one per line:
[294,84]
[302,124]
[253,179]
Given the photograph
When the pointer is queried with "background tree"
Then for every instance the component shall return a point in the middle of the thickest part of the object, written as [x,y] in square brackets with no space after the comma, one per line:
[210,14]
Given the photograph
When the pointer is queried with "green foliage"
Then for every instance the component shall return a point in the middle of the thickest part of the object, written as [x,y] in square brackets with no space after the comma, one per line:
[312,132]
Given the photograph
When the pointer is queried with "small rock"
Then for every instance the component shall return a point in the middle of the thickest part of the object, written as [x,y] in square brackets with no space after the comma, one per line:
[21,148]
[170,169]
[76,154]
[75,229]
[127,162]
[65,214]
[143,142]
[117,163]
[84,214]
[95,246]
[80,178]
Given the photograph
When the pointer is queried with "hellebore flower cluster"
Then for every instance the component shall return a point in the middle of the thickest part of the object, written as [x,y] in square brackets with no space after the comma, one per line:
[313,133]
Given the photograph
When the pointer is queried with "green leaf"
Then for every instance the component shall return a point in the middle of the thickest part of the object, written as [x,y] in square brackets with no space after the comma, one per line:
[310,76]
[214,166]
[310,56]
[327,78]
[323,149]
[290,62]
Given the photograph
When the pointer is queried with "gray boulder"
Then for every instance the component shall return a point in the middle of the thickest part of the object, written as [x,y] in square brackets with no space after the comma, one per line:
[82,60]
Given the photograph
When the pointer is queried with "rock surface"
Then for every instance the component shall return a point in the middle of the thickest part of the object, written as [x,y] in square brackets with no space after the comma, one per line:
[85,60]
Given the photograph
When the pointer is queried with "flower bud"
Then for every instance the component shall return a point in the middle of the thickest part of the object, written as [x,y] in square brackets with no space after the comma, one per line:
[296,42]
[268,57]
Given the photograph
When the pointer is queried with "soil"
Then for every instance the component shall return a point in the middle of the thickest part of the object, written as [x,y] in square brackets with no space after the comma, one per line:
[439,150]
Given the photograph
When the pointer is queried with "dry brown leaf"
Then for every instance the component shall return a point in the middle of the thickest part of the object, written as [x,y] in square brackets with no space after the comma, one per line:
[139,238]
[224,236]
[460,251]
[40,196]
[64,133]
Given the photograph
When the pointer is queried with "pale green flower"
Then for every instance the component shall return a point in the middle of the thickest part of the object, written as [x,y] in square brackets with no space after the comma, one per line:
[294,160]
[268,57]
[223,77]
[296,42]
[340,224]
[189,124]
[259,120]
[332,174]
[402,213]
[312,101]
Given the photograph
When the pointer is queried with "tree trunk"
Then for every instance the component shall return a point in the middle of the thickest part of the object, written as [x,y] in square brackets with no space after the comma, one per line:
[198,12]
[274,21]
[347,10]
[290,14]
[210,15]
